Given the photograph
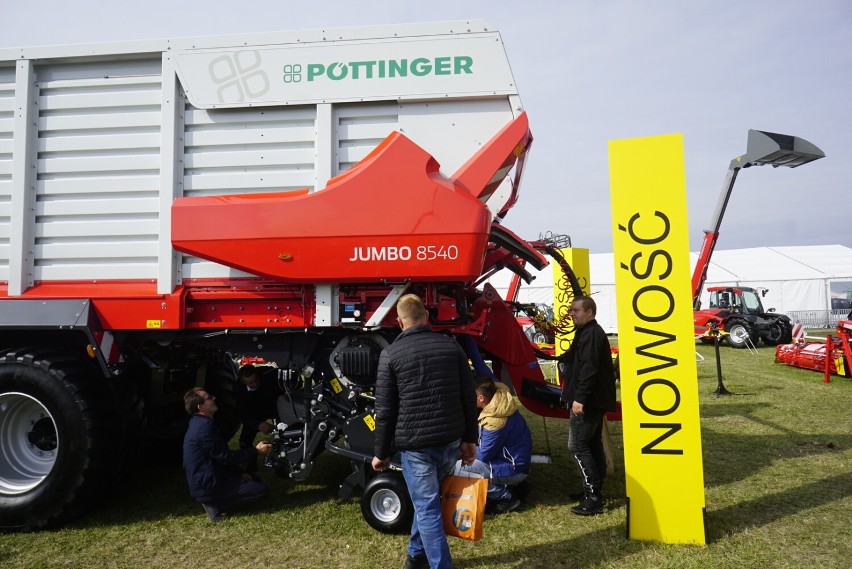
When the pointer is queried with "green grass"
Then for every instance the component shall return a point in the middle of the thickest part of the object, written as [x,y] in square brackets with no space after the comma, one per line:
[778,480]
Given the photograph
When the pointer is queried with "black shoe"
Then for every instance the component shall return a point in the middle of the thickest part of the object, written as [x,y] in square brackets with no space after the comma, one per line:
[506,506]
[417,562]
[589,507]
[520,491]
[214,513]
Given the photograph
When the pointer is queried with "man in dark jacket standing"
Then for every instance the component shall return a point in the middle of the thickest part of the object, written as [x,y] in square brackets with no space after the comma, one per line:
[212,469]
[426,409]
[588,390]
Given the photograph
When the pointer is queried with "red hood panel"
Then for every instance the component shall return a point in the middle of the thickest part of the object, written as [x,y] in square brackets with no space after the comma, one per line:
[393,216]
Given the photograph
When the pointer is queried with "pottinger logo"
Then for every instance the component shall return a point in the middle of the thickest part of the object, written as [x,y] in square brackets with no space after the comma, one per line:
[380,68]
[293,73]
[239,76]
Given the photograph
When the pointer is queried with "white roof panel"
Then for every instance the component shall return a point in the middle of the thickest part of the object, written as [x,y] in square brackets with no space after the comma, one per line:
[832,260]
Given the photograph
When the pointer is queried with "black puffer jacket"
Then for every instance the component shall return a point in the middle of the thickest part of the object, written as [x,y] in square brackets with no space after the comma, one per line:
[424,393]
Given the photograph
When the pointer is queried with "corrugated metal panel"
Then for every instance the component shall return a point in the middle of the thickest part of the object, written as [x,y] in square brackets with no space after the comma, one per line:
[7,104]
[98,173]
[360,128]
[242,151]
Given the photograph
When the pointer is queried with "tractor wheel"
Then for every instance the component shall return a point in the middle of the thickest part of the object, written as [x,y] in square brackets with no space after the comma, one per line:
[779,332]
[386,505]
[739,333]
[59,431]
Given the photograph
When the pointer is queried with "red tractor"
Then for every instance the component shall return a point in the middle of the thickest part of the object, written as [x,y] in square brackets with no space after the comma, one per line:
[739,311]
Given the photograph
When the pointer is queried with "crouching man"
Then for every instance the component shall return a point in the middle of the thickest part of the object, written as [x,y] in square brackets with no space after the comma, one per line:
[212,469]
[505,445]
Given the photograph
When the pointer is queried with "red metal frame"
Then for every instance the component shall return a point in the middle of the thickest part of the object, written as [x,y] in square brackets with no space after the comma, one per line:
[699,274]
[483,173]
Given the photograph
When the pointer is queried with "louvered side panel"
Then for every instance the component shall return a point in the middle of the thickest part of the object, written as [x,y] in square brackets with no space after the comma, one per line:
[98,175]
[360,128]
[7,104]
[242,151]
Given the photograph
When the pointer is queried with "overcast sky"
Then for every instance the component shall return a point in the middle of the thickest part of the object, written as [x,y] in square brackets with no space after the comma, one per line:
[593,71]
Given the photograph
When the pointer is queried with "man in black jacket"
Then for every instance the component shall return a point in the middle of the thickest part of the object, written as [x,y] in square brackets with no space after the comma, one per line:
[256,397]
[426,409]
[588,390]
[212,469]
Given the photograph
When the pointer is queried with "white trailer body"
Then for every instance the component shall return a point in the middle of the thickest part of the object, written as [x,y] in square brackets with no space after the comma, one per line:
[96,141]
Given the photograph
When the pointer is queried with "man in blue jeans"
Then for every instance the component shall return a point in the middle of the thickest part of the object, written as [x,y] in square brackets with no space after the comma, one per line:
[426,409]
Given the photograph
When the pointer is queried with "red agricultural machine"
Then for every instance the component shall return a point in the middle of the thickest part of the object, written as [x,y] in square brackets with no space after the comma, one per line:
[176,206]
[832,357]
[734,309]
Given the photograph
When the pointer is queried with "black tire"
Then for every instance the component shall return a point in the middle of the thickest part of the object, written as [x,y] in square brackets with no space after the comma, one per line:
[59,431]
[779,332]
[386,505]
[540,338]
[740,333]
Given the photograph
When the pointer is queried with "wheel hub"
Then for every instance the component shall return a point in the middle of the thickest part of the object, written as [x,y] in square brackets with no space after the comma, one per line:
[740,333]
[28,443]
[386,505]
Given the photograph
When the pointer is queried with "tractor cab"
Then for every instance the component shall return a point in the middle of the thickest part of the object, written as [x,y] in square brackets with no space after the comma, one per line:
[736,300]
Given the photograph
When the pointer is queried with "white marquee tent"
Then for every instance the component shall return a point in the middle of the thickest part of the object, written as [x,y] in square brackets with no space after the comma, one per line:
[798,278]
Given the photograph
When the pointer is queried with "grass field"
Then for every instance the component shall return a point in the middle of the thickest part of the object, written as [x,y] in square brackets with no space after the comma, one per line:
[778,484]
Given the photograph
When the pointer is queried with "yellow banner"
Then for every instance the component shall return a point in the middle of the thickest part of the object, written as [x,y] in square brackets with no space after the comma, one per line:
[578,260]
[659,381]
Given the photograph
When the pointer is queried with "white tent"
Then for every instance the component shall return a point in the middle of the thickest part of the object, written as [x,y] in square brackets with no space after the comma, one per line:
[798,278]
